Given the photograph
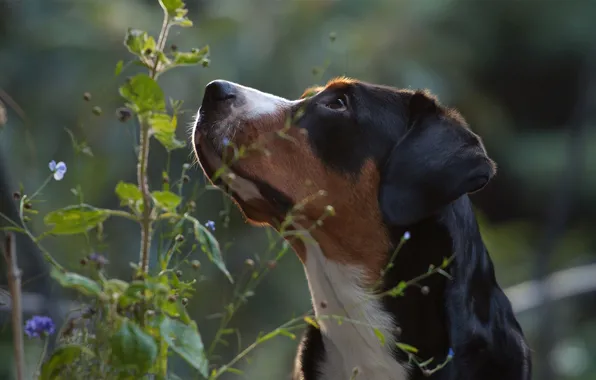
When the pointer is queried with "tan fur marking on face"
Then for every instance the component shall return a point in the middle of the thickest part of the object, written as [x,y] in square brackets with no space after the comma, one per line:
[355,234]
[340,82]
[335,82]
[311,91]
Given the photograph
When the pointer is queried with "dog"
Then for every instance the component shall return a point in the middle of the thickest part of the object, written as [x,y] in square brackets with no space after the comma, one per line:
[389,168]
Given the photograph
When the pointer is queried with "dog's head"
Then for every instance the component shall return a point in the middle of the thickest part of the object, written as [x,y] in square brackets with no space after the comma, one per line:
[378,155]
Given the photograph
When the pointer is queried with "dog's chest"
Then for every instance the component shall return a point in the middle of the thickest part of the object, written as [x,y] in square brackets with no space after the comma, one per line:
[351,321]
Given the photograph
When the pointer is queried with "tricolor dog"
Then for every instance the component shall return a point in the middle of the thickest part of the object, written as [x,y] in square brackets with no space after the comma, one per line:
[390,163]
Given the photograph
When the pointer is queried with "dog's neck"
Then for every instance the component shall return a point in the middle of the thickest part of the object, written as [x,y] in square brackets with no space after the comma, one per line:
[366,337]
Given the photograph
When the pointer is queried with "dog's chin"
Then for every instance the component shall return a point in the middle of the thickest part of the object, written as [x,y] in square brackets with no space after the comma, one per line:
[208,157]
[256,211]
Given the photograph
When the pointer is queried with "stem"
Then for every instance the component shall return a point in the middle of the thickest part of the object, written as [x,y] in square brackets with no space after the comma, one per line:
[14,281]
[278,331]
[143,162]
[41,187]
[43,354]
[146,222]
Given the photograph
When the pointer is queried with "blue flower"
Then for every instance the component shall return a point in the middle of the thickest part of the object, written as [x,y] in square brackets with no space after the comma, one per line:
[38,326]
[450,354]
[98,259]
[226,141]
[58,169]
[210,224]
[407,235]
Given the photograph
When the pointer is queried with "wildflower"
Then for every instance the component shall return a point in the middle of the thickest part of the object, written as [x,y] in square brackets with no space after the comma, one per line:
[407,235]
[59,169]
[226,141]
[450,354]
[98,259]
[210,224]
[38,326]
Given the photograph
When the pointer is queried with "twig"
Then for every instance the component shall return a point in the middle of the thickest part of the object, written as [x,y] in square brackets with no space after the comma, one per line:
[14,282]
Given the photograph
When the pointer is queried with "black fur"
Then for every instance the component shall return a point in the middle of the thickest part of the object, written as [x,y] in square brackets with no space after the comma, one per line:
[430,161]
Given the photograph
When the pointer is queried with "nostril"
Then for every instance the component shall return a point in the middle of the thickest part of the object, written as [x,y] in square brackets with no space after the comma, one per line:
[220,90]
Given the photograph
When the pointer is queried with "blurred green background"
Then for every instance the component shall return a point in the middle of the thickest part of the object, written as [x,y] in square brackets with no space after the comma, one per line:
[523,73]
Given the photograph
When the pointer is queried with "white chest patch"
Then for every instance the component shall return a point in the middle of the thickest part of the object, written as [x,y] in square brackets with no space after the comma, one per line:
[349,345]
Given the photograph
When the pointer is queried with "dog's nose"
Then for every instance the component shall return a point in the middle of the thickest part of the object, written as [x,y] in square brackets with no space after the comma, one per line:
[219,90]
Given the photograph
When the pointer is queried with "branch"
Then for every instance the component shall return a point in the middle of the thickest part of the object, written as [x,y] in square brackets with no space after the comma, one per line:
[14,282]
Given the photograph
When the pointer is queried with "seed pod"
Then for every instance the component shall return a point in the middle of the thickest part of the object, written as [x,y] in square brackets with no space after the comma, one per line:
[123,114]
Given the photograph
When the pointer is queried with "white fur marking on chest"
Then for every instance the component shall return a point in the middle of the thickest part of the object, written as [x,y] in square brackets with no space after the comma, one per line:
[350,344]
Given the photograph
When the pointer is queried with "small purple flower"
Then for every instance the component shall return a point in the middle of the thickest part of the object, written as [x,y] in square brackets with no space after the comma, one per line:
[450,354]
[98,259]
[39,326]
[407,235]
[59,169]
[226,141]
[210,224]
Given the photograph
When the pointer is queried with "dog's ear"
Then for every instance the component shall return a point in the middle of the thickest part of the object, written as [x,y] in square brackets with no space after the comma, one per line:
[437,161]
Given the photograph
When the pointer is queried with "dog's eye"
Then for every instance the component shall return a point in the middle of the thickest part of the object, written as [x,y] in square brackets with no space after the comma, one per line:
[338,104]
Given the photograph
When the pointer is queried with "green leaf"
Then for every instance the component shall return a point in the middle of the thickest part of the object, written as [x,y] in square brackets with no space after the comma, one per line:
[182,21]
[191,58]
[64,355]
[144,94]
[379,335]
[137,42]
[285,332]
[407,348]
[119,67]
[166,200]
[115,285]
[172,7]
[176,310]
[132,347]
[164,129]
[75,219]
[72,280]
[129,194]
[186,341]
[210,246]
